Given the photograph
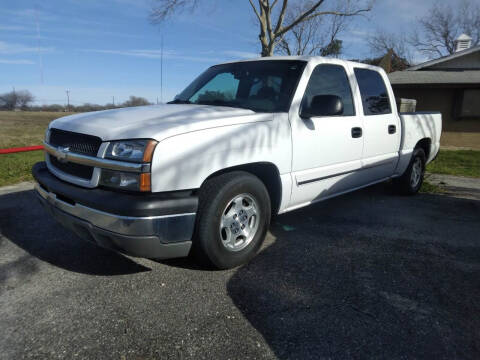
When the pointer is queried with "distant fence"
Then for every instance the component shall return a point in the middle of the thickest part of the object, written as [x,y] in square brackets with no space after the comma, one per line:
[21,149]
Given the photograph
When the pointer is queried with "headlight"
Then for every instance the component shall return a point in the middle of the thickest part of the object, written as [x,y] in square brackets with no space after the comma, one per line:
[131,150]
[125,180]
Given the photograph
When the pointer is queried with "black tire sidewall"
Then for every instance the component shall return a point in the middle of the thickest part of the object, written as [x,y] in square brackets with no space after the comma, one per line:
[417,153]
[213,203]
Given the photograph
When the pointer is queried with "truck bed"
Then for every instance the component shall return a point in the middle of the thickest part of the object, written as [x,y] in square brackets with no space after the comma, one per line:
[417,126]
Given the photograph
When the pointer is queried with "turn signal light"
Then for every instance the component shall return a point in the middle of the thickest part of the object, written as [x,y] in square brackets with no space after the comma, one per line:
[145,182]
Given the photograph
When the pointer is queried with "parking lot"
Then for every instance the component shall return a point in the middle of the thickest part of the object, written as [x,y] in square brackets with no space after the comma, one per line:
[367,275]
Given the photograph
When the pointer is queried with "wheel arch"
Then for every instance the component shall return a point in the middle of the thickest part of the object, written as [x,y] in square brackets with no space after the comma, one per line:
[267,172]
[424,144]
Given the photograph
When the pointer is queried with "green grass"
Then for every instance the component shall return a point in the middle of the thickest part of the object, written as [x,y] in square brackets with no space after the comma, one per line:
[456,162]
[429,188]
[24,128]
[15,168]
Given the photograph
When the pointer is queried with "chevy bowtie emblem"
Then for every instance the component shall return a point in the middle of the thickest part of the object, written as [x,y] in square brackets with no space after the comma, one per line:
[62,153]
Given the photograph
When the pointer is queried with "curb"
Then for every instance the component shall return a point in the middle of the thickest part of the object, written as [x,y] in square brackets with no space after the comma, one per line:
[23,186]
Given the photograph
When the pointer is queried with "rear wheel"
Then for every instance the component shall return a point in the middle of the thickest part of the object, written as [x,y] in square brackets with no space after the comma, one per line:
[411,181]
[232,220]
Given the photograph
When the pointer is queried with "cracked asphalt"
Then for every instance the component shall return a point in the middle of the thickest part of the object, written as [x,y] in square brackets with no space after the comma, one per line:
[367,275]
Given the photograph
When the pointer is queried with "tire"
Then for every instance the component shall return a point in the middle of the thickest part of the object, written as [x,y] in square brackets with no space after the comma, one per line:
[232,220]
[412,179]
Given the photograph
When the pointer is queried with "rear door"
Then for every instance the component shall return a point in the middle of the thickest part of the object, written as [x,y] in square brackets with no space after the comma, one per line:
[327,150]
[381,125]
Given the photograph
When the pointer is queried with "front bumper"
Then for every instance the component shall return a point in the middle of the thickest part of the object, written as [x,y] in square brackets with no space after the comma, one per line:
[150,226]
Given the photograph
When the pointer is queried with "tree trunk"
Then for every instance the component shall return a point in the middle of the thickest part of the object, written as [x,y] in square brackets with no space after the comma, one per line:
[267,50]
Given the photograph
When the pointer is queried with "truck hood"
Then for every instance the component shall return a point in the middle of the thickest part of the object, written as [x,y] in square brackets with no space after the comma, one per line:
[156,121]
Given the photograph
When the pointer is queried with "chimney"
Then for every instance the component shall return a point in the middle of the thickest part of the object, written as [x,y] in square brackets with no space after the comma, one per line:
[463,42]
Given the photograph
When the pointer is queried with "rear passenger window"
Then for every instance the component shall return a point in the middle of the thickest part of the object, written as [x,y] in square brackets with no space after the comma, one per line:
[330,79]
[373,91]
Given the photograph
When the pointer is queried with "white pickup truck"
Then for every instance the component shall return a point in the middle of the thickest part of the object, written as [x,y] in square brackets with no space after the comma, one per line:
[245,140]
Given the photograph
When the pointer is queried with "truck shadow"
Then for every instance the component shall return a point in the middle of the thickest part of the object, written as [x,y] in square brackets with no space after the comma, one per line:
[368,275]
[25,223]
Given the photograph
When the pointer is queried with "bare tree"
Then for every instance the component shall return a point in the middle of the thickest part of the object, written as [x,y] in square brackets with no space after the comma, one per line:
[270,14]
[316,36]
[382,42]
[136,101]
[8,101]
[16,99]
[24,98]
[443,24]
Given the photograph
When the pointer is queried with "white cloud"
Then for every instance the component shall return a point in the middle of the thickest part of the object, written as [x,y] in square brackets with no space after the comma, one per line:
[31,14]
[154,54]
[10,48]
[17,62]
[12,28]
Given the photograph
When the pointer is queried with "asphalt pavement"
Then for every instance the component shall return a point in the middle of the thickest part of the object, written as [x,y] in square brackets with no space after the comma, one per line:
[366,275]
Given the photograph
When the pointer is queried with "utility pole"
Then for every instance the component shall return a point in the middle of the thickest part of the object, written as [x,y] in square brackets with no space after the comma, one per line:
[68,99]
[157,100]
[113,101]
[14,98]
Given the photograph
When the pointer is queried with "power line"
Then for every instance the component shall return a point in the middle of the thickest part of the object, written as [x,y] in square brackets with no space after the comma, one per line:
[161,71]
[38,44]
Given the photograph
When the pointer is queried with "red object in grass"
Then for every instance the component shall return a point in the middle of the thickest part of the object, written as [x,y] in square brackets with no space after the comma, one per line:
[21,149]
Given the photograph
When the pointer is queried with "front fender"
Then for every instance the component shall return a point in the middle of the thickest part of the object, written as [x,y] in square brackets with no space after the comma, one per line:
[184,161]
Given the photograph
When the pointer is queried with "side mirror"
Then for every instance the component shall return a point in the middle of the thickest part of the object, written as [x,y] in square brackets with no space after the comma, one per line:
[323,105]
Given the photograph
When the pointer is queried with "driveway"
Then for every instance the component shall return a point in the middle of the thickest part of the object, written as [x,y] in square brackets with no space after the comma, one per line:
[366,275]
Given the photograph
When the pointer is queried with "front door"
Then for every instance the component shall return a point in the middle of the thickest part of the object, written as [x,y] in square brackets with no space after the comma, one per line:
[327,151]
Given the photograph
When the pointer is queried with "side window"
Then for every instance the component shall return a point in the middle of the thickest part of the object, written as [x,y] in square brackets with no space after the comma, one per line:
[373,91]
[328,79]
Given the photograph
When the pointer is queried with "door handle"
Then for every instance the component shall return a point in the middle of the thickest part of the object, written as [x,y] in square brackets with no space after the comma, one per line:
[356,132]
[392,129]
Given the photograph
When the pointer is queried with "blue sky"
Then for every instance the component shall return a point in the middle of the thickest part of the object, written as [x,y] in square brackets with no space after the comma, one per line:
[100,49]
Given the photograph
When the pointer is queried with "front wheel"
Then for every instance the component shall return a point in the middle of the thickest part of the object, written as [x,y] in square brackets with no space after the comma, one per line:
[411,181]
[232,220]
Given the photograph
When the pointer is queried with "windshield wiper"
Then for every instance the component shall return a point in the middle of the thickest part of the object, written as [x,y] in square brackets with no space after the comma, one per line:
[179,101]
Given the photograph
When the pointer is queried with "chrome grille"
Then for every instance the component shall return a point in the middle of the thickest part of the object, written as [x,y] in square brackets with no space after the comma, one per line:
[79,170]
[78,143]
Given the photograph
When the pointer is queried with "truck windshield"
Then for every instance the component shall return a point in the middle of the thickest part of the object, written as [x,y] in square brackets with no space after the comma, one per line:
[263,86]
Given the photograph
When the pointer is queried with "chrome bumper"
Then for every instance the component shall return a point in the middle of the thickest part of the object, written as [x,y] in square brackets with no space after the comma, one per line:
[156,237]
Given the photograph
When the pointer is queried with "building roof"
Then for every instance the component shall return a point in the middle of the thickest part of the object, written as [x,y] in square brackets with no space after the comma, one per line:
[434,77]
[445,58]
[463,37]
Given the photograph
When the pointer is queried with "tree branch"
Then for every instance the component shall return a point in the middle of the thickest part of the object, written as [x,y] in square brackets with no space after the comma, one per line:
[255,10]
[299,19]
[281,17]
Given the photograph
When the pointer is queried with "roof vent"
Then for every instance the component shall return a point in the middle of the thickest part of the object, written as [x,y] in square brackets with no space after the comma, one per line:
[463,42]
